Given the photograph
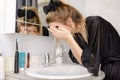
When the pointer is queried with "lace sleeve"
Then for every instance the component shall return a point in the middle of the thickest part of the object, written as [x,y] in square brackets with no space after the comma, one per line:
[90,61]
[72,57]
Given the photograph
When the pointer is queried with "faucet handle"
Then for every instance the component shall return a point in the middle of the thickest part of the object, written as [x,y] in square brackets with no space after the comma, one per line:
[59,55]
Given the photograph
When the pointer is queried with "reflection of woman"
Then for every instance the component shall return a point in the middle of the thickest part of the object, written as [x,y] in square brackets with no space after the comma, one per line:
[93,41]
[29,22]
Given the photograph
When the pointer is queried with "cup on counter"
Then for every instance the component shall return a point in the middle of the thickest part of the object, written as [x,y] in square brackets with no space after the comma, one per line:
[22,56]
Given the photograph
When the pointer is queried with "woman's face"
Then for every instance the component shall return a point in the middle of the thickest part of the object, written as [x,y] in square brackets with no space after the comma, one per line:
[32,30]
[29,30]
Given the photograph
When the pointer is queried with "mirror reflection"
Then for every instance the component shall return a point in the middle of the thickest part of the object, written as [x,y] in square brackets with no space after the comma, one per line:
[27,18]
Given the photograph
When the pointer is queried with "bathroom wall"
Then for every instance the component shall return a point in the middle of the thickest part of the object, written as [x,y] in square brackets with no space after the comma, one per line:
[29,43]
[109,9]
[37,46]
[79,5]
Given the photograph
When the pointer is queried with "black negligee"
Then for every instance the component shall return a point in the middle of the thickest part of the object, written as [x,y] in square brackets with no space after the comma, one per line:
[103,48]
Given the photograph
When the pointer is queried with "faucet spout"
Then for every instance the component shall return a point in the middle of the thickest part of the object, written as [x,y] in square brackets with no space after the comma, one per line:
[47,60]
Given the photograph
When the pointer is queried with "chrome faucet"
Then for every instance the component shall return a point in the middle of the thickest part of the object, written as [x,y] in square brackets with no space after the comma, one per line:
[58,50]
[47,60]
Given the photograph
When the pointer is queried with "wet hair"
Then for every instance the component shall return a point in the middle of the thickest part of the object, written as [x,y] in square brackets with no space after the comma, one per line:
[28,16]
[62,12]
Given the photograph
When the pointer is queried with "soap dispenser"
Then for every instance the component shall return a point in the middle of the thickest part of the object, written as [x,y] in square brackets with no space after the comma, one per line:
[2,70]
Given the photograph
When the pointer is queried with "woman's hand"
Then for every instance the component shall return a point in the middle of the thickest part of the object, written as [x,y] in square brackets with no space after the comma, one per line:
[61,33]
[33,32]
[64,32]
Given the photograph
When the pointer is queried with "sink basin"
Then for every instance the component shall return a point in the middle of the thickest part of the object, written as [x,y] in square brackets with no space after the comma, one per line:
[55,71]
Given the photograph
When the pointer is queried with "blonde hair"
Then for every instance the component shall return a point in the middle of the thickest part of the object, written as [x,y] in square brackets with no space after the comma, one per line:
[65,11]
[35,21]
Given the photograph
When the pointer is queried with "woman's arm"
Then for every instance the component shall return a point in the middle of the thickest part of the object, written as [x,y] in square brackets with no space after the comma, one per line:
[75,48]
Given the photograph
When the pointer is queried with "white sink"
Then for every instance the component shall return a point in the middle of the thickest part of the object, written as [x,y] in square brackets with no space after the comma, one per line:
[55,71]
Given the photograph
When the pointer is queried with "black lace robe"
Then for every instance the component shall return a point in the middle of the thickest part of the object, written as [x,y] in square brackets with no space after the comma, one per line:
[103,48]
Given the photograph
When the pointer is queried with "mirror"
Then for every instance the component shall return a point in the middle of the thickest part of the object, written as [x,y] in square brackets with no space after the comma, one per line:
[9,17]
[30,18]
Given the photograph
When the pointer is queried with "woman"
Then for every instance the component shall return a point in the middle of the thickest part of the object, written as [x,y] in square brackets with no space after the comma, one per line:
[93,41]
[29,22]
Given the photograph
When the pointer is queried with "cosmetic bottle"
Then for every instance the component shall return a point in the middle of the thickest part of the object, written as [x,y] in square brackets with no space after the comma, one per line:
[28,60]
[2,69]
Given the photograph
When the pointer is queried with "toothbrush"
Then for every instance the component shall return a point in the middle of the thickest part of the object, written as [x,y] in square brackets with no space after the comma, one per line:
[16,64]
